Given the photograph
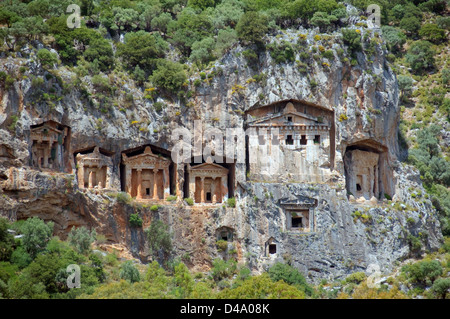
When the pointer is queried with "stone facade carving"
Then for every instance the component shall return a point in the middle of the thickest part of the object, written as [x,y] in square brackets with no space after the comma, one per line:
[49,143]
[300,214]
[303,150]
[147,175]
[94,170]
[208,183]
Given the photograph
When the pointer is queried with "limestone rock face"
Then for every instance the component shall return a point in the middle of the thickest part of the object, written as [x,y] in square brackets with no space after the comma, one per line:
[326,227]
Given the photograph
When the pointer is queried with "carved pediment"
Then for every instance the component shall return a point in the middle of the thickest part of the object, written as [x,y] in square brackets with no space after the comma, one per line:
[209,167]
[94,159]
[146,158]
[301,202]
[280,119]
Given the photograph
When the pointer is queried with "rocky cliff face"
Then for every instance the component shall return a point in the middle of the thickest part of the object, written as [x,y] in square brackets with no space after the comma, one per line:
[347,235]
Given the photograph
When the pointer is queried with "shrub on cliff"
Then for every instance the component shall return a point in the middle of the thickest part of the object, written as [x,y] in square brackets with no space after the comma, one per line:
[423,272]
[169,76]
[159,239]
[47,58]
[252,27]
[123,198]
[135,220]
[129,272]
[289,275]
[352,39]
[6,240]
[36,234]
[420,56]
[81,239]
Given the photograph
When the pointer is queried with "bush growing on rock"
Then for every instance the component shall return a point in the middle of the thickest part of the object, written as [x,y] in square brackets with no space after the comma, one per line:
[423,272]
[129,272]
[289,275]
[47,58]
[135,220]
[36,234]
[168,76]
[81,239]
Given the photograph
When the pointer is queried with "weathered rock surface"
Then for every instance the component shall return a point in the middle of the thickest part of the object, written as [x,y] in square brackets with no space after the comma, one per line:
[364,99]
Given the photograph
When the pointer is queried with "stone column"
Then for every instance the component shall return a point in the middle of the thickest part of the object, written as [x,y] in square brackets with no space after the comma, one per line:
[155,184]
[80,175]
[213,190]
[375,173]
[166,182]
[202,191]
[139,184]
[128,180]
[90,180]
[219,190]
[46,157]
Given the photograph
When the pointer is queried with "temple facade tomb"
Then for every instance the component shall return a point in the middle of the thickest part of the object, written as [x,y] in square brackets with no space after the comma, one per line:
[368,171]
[362,174]
[292,141]
[147,175]
[300,214]
[208,183]
[50,145]
[94,170]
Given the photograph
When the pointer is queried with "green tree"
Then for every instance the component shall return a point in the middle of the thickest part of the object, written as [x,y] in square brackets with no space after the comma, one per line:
[424,272]
[289,275]
[161,22]
[135,220]
[431,32]
[410,24]
[405,84]
[251,28]
[225,40]
[262,287]
[81,239]
[100,49]
[441,287]
[159,239]
[420,56]
[140,48]
[125,19]
[305,9]
[352,39]
[183,281]
[201,4]
[8,17]
[129,272]
[394,38]
[202,51]
[227,14]
[323,20]
[169,76]
[20,257]
[6,240]
[36,234]
[189,28]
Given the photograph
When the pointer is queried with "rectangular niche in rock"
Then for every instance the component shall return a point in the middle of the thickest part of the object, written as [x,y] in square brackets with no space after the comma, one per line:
[50,146]
[208,183]
[146,174]
[367,172]
[94,170]
[299,213]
